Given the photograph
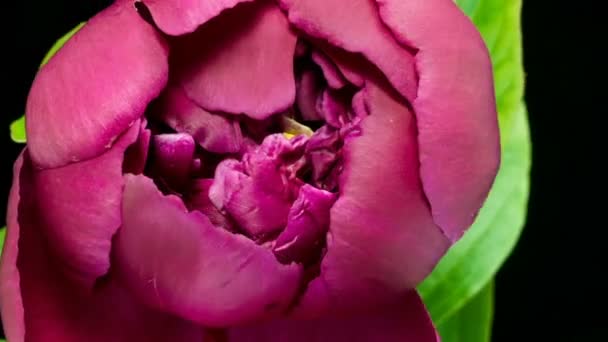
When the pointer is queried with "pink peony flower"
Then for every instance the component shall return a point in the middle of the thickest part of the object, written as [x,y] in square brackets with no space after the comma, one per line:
[238,170]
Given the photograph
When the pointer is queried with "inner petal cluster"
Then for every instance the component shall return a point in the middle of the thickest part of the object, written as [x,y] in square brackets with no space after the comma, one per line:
[273,179]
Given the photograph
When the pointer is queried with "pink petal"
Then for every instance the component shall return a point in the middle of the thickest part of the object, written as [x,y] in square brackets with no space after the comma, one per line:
[198,199]
[354,25]
[180,263]
[79,207]
[331,72]
[405,320]
[241,62]
[214,132]
[173,159]
[136,155]
[455,108]
[11,304]
[307,224]
[98,84]
[309,87]
[38,304]
[382,239]
[176,17]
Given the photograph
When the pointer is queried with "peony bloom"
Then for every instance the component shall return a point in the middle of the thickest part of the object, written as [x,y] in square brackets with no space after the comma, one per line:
[247,170]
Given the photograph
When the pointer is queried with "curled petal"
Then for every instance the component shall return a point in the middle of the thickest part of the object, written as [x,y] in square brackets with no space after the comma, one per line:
[198,199]
[180,263]
[11,304]
[241,62]
[70,117]
[358,29]
[137,154]
[177,17]
[307,224]
[173,158]
[309,88]
[214,132]
[404,320]
[332,74]
[382,239]
[455,108]
[79,206]
[39,304]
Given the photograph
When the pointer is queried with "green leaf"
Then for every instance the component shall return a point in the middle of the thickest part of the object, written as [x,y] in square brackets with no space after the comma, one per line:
[18,126]
[18,130]
[473,321]
[59,43]
[472,262]
[2,237]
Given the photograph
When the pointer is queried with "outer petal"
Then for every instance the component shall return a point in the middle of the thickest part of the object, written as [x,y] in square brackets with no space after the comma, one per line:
[404,321]
[241,62]
[79,207]
[382,239]
[176,17]
[355,26]
[181,263]
[38,304]
[94,87]
[455,108]
[11,304]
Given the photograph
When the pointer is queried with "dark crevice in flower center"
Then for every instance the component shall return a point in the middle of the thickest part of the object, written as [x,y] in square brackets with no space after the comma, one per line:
[273,180]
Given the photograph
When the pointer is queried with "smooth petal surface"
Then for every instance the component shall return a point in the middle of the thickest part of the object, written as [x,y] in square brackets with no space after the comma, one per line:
[214,132]
[455,108]
[382,239]
[180,263]
[39,304]
[406,320]
[176,17]
[98,84]
[79,208]
[355,26]
[241,62]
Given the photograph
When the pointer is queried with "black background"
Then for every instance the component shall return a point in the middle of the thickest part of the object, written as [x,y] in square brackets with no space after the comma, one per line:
[552,287]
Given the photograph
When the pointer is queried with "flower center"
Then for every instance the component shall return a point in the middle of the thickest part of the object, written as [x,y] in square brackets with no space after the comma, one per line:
[273,180]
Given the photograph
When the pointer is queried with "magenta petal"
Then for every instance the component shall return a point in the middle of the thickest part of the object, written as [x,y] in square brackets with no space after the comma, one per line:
[309,87]
[80,209]
[38,304]
[382,238]
[94,87]
[331,72]
[214,132]
[258,192]
[307,224]
[455,108]
[173,159]
[176,17]
[180,263]
[405,320]
[241,62]
[136,155]
[198,199]
[11,304]
[358,29]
